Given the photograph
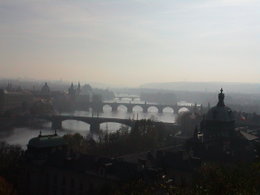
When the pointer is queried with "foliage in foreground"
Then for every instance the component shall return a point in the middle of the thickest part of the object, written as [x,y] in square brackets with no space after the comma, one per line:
[210,178]
[242,179]
[11,163]
[144,136]
[6,188]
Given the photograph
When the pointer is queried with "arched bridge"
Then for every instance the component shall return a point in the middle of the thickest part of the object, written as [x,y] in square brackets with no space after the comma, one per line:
[145,106]
[94,122]
[132,97]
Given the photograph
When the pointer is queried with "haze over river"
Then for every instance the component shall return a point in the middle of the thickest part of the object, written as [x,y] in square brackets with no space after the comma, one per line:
[21,136]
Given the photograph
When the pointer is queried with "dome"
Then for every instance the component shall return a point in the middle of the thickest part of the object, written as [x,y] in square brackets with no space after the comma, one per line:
[216,113]
[45,90]
[220,112]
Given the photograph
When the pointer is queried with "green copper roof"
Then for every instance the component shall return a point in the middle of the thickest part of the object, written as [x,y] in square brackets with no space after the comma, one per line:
[46,141]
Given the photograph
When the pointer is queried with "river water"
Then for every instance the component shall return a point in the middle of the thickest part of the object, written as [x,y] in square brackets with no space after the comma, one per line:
[21,136]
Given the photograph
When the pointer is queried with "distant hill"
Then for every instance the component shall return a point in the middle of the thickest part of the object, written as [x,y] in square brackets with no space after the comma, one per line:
[206,86]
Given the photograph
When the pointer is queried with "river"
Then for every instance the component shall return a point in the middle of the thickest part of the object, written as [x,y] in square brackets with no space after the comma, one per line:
[21,136]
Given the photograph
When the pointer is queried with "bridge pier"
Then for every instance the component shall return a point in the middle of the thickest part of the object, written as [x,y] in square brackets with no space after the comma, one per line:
[114,107]
[145,109]
[56,124]
[94,127]
[129,109]
[194,108]
[160,109]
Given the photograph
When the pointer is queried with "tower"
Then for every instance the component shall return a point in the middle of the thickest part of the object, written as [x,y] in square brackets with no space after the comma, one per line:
[78,89]
[72,91]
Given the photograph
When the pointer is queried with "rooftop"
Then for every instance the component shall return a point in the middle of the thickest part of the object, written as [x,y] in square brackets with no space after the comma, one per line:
[45,141]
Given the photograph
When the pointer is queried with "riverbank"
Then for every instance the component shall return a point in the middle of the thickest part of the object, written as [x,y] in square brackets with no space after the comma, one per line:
[9,123]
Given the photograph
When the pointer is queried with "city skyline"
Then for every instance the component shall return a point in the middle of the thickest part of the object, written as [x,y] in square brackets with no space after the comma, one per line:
[129,43]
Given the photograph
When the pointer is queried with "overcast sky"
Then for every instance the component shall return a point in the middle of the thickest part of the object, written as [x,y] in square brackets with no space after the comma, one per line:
[130,42]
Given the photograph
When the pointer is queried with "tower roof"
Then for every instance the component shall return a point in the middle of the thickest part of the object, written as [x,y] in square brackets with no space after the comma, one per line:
[220,112]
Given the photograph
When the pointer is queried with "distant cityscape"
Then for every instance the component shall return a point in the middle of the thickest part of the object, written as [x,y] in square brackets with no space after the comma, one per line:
[130,97]
[143,152]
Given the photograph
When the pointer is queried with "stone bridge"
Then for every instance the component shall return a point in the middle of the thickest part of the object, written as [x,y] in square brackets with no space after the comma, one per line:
[94,122]
[145,106]
[132,97]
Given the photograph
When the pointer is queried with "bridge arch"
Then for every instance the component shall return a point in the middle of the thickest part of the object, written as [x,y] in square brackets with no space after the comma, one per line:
[107,108]
[152,109]
[168,109]
[137,108]
[74,124]
[122,107]
[183,109]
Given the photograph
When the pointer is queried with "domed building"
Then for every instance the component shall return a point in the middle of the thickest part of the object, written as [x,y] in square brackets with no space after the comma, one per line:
[219,123]
[217,138]
[42,147]
[213,139]
[45,90]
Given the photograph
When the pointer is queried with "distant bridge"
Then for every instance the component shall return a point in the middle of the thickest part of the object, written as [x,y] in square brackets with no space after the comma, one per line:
[132,97]
[95,122]
[145,106]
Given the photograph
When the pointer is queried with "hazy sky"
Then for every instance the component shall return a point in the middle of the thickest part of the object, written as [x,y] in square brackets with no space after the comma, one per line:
[130,42]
